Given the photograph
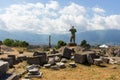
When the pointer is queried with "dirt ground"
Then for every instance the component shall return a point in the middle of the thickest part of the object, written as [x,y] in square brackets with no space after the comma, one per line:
[15,52]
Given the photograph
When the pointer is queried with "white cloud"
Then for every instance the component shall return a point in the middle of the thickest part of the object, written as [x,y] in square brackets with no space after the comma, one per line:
[51,18]
[2,24]
[98,10]
[52,5]
[113,21]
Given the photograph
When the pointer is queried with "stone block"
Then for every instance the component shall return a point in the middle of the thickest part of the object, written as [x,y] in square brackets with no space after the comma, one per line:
[53,55]
[55,67]
[85,57]
[51,61]
[57,59]
[32,66]
[98,62]
[67,53]
[105,59]
[47,65]
[72,44]
[43,54]
[40,60]
[91,57]
[13,57]
[61,65]
[21,58]
[64,60]
[80,58]
[9,60]
[4,66]
[72,65]
[14,77]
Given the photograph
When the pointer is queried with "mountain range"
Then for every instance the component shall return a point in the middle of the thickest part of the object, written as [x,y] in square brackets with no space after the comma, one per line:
[93,37]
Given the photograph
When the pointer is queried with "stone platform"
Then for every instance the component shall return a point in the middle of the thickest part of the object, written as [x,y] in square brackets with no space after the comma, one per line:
[72,44]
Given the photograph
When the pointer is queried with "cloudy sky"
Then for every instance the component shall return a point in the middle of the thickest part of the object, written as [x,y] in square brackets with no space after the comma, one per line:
[57,16]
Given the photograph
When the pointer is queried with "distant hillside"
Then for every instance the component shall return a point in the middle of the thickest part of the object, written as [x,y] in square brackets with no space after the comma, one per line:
[93,37]
[101,36]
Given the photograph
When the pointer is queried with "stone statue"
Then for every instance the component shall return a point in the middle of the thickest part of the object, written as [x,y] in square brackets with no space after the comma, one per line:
[72,38]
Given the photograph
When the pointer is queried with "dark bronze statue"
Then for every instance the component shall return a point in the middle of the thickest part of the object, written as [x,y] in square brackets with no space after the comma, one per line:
[72,38]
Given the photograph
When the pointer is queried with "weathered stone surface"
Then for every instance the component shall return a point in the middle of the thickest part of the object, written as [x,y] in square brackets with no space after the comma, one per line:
[72,65]
[53,55]
[37,75]
[57,59]
[13,57]
[72,44]
[4,66]
[9,60]
[32,66]
[51,61]
[98,62]
[53,51]
[80,58]
[36,60]
[33,60]
[21,58]
[72,57]
[61,65]
[39,53]
[118,54]
[47,65]
[43,54]
[55,67]
[64,60]
[85,57]
[34,74]
[67,53]
[91,57]
[34,70]
[14,77]
[105,59]
[114,60]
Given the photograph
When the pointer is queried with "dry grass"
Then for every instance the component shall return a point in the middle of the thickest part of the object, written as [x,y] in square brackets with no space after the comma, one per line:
[82,72]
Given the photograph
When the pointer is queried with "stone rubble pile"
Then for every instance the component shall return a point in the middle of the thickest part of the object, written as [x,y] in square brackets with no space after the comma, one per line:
[33,71]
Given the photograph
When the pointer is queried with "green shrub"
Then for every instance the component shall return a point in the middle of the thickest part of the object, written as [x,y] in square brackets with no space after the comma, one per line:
[15,43]
[84,44]
[61,43]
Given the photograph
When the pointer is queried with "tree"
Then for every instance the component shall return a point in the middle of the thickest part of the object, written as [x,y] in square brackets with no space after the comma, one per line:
[0,45]
[1,42]
[24,44]
[8,42]
[15,43]
[84,44]
[61,43]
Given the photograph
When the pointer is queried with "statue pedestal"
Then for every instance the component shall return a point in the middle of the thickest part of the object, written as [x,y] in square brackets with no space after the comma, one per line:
[72,44]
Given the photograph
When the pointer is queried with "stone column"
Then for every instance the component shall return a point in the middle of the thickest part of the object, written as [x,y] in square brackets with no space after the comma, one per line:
[0,45]
[49,41]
